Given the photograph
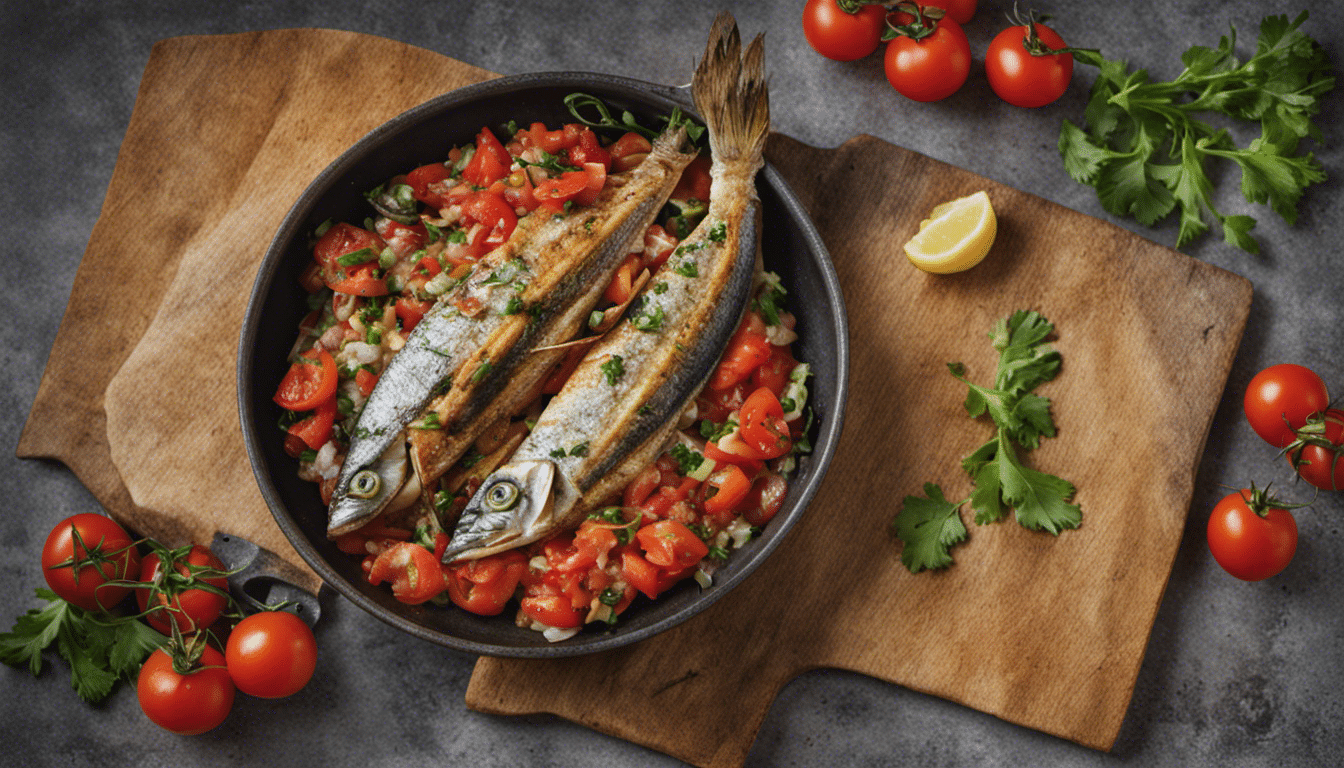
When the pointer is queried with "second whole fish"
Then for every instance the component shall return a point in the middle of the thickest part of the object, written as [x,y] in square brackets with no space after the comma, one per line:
[621,406]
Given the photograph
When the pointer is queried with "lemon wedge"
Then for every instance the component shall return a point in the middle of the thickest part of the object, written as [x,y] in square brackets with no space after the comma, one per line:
[955,237]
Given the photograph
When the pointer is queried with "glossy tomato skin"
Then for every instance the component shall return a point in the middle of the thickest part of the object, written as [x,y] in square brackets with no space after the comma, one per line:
[930,69]
[1321,466]
[1246,545]
[961,11]
[185,704]
[1280,398]
[271,654]
[190,609]
[108,554]
[842,36]
[1022,79]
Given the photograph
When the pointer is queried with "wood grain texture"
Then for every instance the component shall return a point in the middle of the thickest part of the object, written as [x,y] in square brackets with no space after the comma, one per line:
[1047,632]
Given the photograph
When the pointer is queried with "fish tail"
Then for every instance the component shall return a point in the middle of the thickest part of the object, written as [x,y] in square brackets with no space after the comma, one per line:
[730,92]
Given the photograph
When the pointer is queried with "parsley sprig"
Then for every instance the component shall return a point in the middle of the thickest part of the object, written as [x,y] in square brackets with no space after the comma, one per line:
[1145,151]
[930,525]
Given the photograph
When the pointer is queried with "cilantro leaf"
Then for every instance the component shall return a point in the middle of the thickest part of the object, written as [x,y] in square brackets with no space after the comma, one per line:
[928,527]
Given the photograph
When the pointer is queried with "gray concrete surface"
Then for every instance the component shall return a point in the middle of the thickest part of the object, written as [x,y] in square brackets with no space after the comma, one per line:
[1235,674]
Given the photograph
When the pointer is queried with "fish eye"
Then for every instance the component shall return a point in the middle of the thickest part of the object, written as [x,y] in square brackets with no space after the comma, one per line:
[365,484]
[501,496]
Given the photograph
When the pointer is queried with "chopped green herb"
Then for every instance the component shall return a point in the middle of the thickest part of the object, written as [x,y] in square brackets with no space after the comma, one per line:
[719,232]
[581,449]
[613,369]
[353,258]
[687,268]
[650,320]
[659,288]
[430,421]
[514,306]
[558,453]
[471,458]
[482,371]
[687,460]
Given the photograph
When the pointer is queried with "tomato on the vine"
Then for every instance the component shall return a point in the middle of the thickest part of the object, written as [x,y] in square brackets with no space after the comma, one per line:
[929,59]
[959,10]
[1251,535]
[192,698]
[1022,72]
[1318,452]
[82,554]
[840,34]
[189,590]
[1280,398]
[271,654]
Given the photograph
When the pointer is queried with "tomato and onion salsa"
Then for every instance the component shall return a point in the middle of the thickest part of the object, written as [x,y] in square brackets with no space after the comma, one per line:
[370,283]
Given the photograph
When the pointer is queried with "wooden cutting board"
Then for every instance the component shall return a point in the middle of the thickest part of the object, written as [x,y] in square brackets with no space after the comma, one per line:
[138,399]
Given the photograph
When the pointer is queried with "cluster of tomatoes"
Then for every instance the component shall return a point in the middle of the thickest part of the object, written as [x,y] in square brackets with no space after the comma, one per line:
[928,57]
[187,684]
[1252,535]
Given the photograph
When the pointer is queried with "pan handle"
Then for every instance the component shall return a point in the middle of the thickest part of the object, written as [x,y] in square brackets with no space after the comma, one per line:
[256,580]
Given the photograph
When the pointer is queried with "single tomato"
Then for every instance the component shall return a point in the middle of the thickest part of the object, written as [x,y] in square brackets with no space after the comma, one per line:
[843,30]
[1280,398]
[271,654]
[1318,453]
[1021,69]
[185,697]
[1250,537]
[187,588]
[83,558]
[929,60]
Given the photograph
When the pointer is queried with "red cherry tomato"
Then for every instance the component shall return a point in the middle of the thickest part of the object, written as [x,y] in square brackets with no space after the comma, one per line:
[189,587]
[961,11]
[670,544]
[1023,79]
[1320,460]
[85,552]
[271,654]
[1280,398]
[490,163]
[931,68]
[189,702]
[765,499]
[1247,545]
[840,35]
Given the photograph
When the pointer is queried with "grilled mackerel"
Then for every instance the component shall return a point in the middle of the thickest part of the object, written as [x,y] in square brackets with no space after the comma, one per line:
[618,411]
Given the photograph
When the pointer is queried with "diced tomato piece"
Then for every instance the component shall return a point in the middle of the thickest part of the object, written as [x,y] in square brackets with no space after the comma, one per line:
[490,163]
[641,487]
[486,585]
[341,239]
[316,430]
[556,381]
[590,150]
[597,178]
[695,181]
[519,192]
[553,193]
[359,281]
[410,311]
[658,245]
[622,283]
[773,374]
[629,151]
[413,571]
[747,349]
[496,217]
[310,381]
[647,578]
[552,610]
[765,498]
[401,238]
[762,425]
[365,380]
[425,183]
[725,488]
[717,405]
[670,544]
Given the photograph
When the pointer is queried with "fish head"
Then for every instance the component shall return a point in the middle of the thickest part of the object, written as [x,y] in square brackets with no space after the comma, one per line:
[363,492]
[512,507]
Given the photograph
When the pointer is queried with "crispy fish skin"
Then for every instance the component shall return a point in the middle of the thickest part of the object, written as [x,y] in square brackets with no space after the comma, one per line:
[533,291]
[604,427]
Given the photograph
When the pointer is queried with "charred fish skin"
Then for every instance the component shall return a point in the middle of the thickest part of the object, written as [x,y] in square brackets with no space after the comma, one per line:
[547,267]
[602,429]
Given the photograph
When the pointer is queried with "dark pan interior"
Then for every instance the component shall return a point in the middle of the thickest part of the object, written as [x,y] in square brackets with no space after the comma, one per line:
[423,135]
